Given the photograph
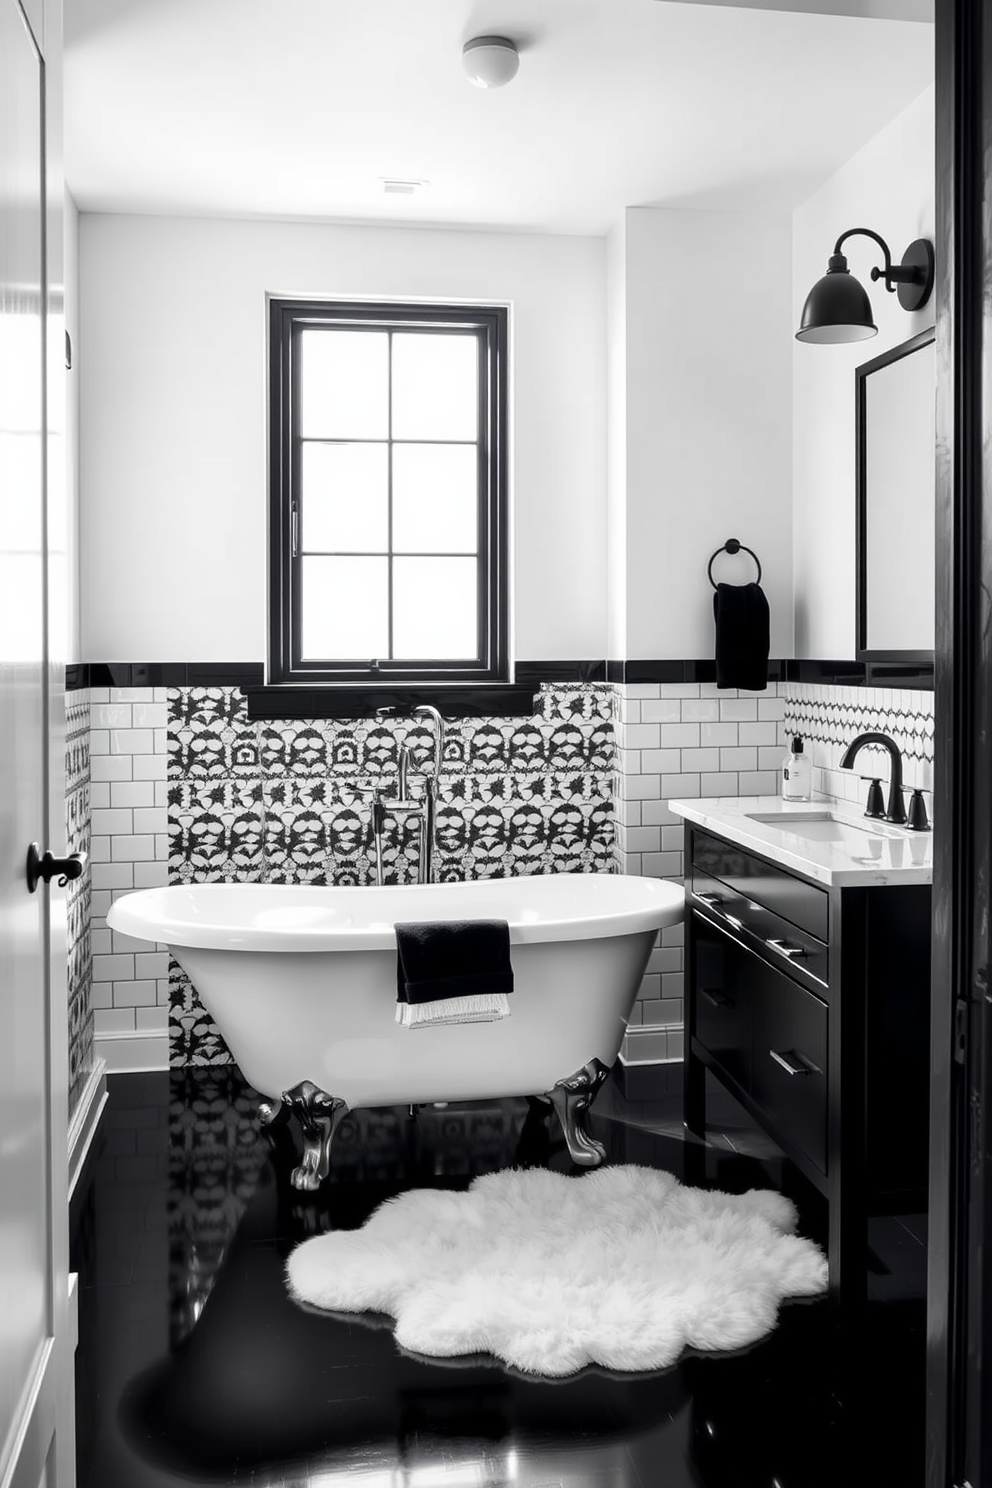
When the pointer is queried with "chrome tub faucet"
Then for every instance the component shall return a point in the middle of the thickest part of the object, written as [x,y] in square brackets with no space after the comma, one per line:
[418,799]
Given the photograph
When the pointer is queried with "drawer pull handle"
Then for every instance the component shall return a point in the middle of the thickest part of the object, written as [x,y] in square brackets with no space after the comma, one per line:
[790,1064]
[714,902]
[788,951]
[718,999]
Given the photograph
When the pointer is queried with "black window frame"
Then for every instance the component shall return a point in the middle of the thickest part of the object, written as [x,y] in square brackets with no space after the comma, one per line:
[287,319]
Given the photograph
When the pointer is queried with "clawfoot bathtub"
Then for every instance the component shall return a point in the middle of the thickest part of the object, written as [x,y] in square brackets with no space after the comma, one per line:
[302,984]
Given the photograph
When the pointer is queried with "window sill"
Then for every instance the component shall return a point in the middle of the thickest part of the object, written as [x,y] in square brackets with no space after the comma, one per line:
[361,700]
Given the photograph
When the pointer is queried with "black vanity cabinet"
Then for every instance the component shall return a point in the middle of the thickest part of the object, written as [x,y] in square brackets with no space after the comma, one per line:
[811,1005]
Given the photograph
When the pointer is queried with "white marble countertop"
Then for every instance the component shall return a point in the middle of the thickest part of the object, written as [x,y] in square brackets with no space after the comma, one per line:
[853,850]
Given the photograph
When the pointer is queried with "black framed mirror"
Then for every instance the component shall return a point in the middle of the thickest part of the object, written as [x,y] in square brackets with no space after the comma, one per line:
[895,399]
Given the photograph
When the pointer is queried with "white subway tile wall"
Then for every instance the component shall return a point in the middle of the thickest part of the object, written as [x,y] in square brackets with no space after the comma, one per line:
[129,850]
[681,740]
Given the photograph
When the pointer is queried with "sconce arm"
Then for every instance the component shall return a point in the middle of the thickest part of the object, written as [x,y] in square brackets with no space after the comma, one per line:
[920,273]
[891,273]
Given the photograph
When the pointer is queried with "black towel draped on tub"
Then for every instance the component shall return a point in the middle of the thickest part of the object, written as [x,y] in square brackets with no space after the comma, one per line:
[452,971]
[742,636]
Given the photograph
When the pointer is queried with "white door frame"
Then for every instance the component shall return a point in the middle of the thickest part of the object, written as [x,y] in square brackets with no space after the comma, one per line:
[43,1447]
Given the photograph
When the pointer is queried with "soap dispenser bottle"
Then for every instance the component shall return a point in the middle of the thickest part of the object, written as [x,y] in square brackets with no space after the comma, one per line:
[797,773]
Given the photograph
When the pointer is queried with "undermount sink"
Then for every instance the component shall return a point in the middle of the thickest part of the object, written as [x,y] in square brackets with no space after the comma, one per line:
[816,826]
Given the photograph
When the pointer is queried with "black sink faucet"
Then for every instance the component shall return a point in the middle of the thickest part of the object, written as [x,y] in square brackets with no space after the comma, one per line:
[896,809]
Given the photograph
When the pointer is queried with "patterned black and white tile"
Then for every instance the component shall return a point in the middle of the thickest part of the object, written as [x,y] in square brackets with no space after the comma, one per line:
[79,941]
[829,718]
[291,802]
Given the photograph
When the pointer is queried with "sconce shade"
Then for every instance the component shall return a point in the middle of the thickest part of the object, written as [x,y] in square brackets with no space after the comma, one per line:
[837,308]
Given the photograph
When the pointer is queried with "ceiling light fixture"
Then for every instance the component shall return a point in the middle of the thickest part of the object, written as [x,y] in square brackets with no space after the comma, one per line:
[490,61]
[838,309]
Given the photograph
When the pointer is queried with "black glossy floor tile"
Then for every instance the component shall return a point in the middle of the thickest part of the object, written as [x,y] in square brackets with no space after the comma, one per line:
[194,1367]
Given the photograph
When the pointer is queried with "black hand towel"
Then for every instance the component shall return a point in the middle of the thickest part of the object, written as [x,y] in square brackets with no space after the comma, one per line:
[742,640]
[454,971]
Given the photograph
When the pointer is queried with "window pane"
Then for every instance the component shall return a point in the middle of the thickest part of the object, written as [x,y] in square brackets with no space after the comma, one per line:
[435,508]
[345,505]
[345,608]
[435,386]
[434,608]
[344,385]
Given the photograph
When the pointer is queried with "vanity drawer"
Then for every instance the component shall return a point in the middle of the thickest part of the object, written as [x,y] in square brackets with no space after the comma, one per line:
[765,1031]
[802,904]
[789,1061]
[780,940]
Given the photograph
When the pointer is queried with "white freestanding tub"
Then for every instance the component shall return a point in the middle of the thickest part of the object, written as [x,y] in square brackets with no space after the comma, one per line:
[301,982]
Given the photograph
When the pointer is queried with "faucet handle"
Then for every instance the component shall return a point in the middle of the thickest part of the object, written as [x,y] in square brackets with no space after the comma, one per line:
[918,820]
[407,756]
[875,805]
[372,794]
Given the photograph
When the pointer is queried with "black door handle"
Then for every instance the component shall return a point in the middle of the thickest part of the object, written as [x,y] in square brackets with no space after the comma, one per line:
[47,867]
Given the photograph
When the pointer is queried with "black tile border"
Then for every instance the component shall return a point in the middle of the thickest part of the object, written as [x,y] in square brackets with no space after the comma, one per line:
[363,701]
[533,673]
[825,673]
[861,674]
[680,671]
[648,1082]
[249,676]
[163,674]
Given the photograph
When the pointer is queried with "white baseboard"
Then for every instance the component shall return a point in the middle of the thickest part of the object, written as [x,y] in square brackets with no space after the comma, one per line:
[649,1046]
[130,1053]
[86,1119]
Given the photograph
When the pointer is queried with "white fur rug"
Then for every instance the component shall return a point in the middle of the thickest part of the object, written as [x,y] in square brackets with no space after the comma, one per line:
[622,1267]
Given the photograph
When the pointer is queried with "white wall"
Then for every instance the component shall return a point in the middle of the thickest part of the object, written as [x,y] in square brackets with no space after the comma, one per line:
[71,259]
[173,467]
[616,440]
[889,187]
[709,427]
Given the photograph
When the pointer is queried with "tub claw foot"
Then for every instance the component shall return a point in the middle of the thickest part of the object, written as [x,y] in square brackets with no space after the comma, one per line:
[571,1099]
[319,1115]
[272,1112]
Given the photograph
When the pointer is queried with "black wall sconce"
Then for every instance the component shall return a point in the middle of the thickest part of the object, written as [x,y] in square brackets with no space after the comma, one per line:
[837,308]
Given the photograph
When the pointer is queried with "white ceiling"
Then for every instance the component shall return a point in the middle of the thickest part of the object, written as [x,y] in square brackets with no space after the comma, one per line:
[297,108]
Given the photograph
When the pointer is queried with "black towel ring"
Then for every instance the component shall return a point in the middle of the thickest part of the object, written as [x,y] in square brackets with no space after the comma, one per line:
[732,545]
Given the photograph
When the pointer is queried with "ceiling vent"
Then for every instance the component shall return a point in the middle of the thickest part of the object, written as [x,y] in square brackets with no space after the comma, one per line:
[393,187]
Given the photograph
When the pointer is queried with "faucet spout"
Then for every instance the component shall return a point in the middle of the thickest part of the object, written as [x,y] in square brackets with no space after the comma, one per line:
[424,710]
[423,805]
[896,809]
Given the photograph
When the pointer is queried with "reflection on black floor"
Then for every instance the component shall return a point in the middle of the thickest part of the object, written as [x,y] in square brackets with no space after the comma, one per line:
[194,1367]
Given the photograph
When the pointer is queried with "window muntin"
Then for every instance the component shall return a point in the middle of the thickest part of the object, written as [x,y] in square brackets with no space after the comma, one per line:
[388,520]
